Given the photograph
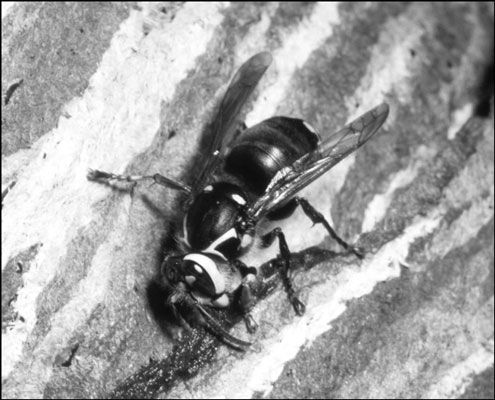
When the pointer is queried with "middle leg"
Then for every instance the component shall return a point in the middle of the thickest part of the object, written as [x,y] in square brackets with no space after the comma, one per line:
[283,266]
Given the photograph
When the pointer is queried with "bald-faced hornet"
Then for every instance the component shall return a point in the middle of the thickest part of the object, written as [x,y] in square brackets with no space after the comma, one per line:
[247,177]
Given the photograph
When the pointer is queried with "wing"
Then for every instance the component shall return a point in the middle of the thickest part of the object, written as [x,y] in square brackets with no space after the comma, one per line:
[242,85]
[290,180]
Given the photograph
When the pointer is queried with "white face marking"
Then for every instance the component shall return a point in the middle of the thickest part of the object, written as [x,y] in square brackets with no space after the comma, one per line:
[238,199]
[221,302]
[211,269]
[310,128]
[198,269]
[208,188]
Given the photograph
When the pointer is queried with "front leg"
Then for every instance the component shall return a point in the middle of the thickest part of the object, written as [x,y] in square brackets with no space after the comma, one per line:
[109,178]
[200,316]
[283,266]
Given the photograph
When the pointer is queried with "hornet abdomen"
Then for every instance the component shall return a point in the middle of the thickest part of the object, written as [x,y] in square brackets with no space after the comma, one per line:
[264,149]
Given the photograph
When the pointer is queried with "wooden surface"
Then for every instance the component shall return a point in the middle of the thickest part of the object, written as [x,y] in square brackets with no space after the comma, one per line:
[130,88]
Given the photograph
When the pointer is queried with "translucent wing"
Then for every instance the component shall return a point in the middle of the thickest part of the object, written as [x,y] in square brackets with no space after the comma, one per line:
[287,182]
[242,85]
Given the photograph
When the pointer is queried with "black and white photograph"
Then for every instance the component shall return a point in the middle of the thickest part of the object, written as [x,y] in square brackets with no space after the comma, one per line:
[247,200]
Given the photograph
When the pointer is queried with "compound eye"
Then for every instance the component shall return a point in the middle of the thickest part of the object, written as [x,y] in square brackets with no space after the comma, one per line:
[202,274]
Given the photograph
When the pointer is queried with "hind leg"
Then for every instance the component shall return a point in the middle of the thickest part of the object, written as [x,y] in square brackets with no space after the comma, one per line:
[317,218]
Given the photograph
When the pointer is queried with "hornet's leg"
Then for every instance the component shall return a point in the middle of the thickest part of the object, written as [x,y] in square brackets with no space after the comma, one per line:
[283,265]
[109,179]
[317,218]
[202,317]
[243,298]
